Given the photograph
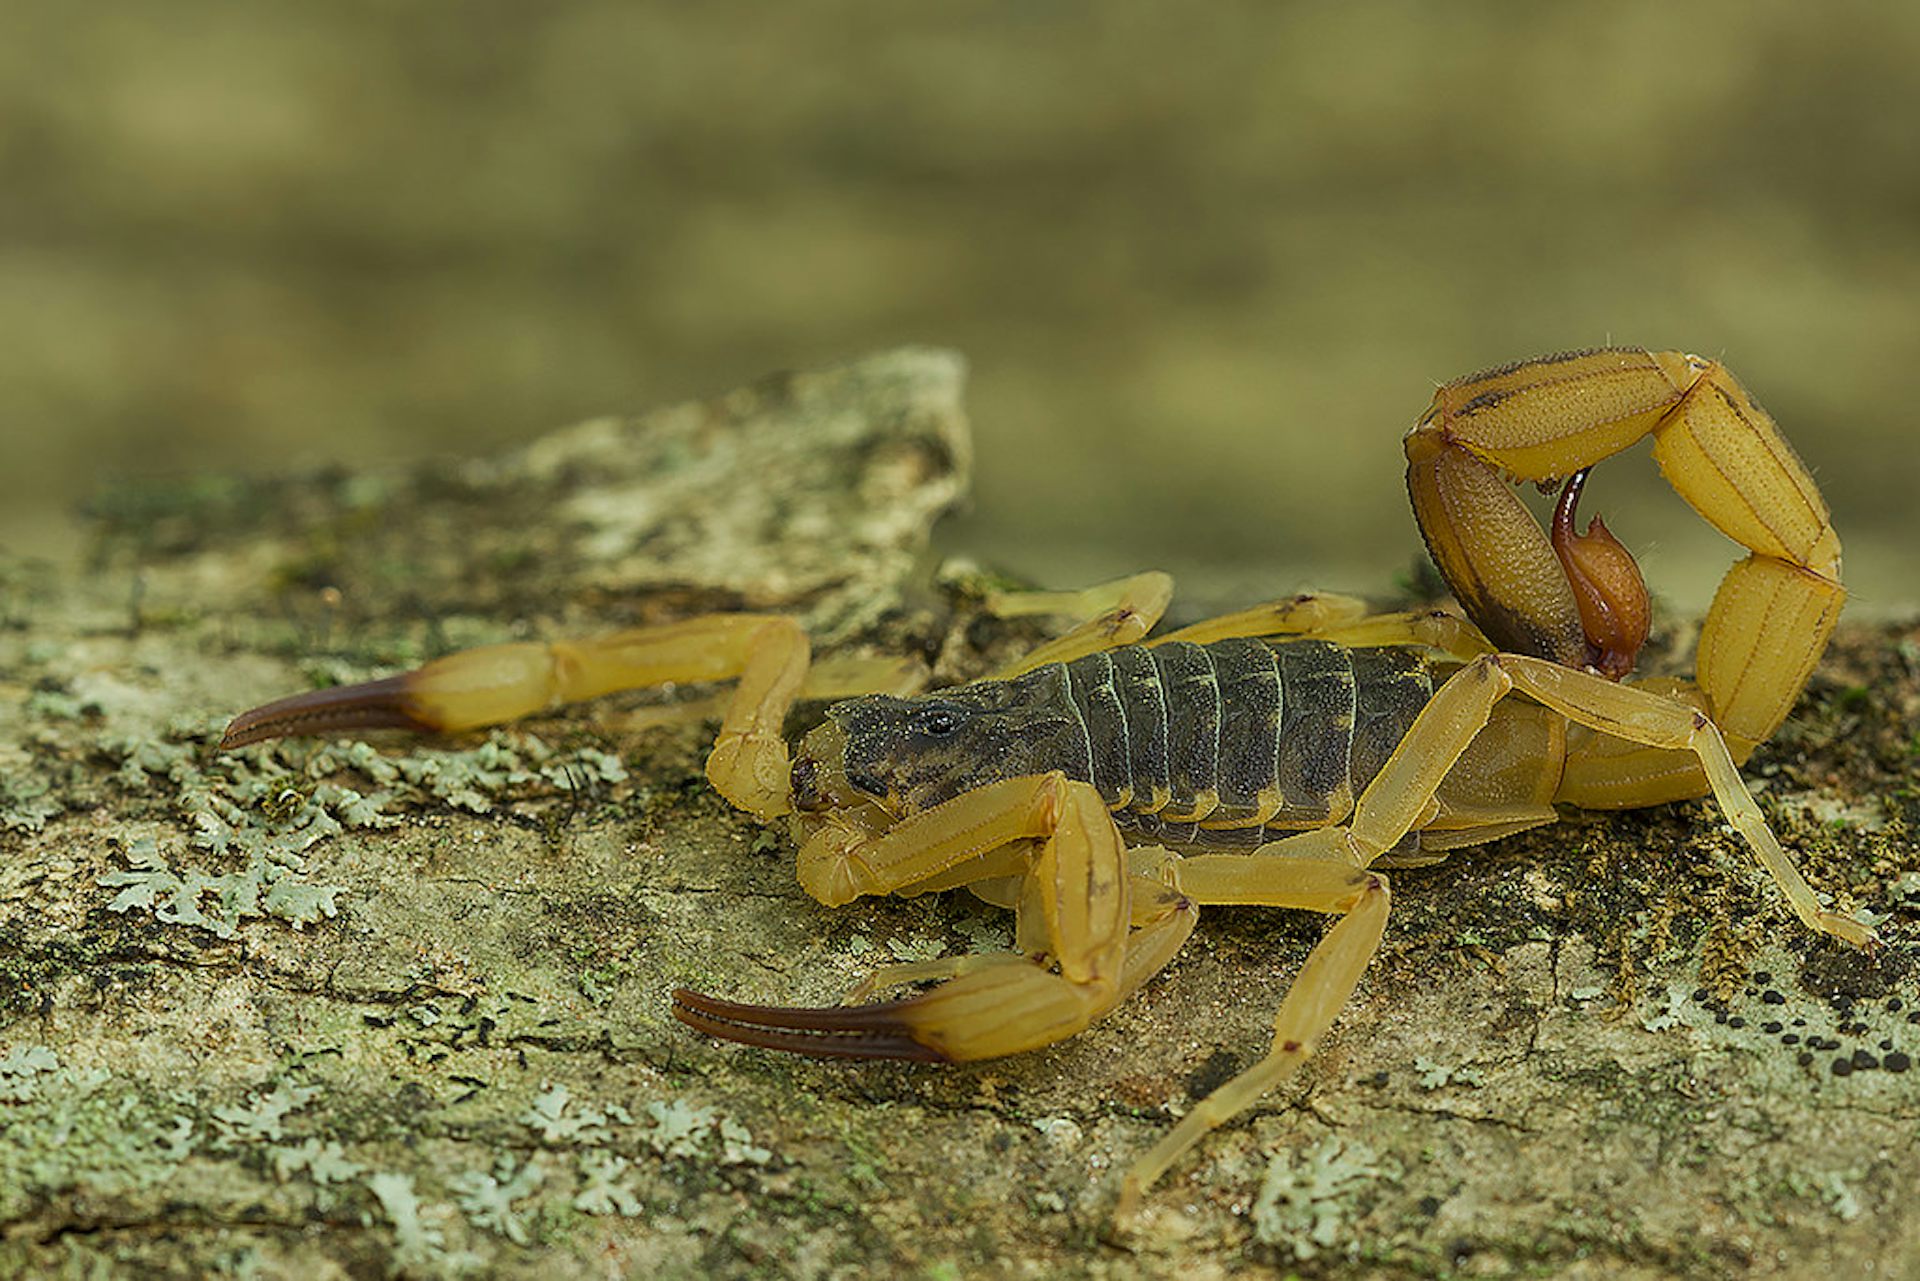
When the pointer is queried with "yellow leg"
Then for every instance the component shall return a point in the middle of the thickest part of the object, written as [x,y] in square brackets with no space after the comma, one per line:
[749,764]
[1117,613]
[1432,628]
[939,969]
[1640,716]
[1324,985]
[1006,865]
[1308,613]
[1163,918]
[827,679]
[1124,611]
[840,864]
[1324,871]
[1433,744]
[1344,621]
[849,677]
[1608,773]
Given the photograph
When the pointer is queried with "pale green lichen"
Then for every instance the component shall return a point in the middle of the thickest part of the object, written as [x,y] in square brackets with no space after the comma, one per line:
[488,1199]
[417,1243]
[986,933]
[456,1022]
[1306,1197]
[917,949]
[585,1124]
[683,1129]
[55,704]
[27,802]
[679,1129]
[473,779]
[1839,1196]
[257,806]
[1433,1075]
[20,1068]
[272,805]
[259,1118]
[259,889]
[1669,1009]
[605,1187]
[1830,1189]
[324,1163]
[69,1129]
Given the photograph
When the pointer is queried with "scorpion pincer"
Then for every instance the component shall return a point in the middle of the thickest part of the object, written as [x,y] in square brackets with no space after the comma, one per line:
[1108,786]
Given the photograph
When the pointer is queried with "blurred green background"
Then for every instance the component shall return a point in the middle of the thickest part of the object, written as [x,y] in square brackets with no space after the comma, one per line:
[1208,261]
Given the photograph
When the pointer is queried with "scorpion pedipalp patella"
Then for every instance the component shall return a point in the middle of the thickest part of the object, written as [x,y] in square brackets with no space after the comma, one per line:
[1109,786]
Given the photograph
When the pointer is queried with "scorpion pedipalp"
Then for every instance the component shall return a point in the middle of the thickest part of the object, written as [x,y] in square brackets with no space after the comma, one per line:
[852,1032]
[378,704]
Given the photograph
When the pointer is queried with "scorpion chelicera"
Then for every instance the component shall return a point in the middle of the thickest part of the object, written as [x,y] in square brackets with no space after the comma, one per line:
[1108,786]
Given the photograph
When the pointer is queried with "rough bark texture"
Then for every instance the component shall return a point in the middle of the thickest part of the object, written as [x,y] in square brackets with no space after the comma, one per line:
[339,1009]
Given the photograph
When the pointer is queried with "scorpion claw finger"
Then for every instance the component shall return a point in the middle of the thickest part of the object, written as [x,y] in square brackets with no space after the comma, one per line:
[852,1032]
[380,704]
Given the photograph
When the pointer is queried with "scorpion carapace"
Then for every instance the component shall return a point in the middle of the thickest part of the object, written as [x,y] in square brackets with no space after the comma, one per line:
[1218,746]
[1107,786]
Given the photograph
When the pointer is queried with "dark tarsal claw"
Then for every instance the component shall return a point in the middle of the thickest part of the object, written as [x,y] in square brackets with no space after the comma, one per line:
[834,1031]
[381,704]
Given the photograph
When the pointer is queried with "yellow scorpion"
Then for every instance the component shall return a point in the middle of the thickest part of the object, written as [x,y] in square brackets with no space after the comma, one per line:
[1107,786]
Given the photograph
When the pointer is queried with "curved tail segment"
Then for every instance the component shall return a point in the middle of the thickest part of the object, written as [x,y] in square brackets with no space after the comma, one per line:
[1555,417]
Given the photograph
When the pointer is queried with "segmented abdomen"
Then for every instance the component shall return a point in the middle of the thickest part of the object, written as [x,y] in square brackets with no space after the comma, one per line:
[1231,743]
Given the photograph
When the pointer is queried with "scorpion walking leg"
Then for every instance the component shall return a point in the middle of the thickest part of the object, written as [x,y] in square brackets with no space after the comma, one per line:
[1325,871]
[1344,621]
[499,683]
[1322,989]
[1306,613]
[1116,613]
[1126,610]
[828,679]
[1075,906]
[1640,716]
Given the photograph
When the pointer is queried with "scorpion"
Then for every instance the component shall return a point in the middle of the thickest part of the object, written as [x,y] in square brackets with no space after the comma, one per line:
[1107,786]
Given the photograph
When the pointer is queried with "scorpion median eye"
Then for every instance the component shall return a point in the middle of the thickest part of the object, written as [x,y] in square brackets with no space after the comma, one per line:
[935,722]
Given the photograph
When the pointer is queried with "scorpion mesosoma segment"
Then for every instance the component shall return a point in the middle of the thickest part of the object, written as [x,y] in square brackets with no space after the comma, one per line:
[1108,786]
